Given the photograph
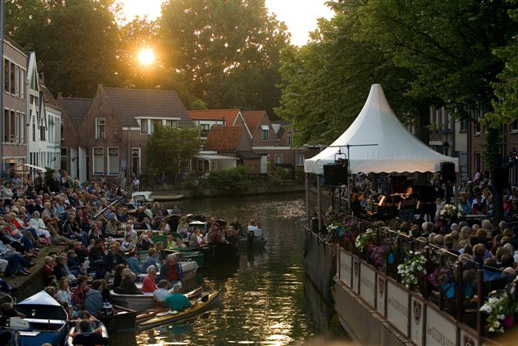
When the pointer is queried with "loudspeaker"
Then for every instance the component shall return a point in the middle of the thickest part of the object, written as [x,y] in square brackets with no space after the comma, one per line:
[501,177]
[448,172]
[335,175]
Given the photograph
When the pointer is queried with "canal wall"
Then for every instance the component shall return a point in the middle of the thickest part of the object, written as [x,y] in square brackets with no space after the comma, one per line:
[252,191]
[319,263]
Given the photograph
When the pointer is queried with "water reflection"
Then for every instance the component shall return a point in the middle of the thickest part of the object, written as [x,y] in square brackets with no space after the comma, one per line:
[266,298]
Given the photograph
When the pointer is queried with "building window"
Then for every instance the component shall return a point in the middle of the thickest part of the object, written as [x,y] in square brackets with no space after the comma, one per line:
[265,133]
[172,123]
[64,158]
[17,127]
[144,126]
[205,128]
[100,128]
[300,160]
[13,79]
[22,84]
[33,130]
[62,129]
[6,75]
[478,161]
[477,125]
[43,132]
[290,140]
[135,161]
[514,126]
[6,125]
[22,128]
[12,127]
[278,159]
[98,161]
[113,160]
[464,125]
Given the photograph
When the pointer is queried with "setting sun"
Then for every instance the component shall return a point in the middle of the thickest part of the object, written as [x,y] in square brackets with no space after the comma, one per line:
[146,56]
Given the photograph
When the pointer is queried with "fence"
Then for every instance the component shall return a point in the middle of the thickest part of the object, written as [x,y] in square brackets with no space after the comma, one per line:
[440,307]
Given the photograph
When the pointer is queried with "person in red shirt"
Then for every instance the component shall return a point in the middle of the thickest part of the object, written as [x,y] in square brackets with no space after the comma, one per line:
[149,284]
[48,268]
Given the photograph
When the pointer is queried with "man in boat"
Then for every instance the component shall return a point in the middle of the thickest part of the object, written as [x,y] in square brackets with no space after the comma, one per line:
[177,301]
[171,270]
[94,299]
[87,338]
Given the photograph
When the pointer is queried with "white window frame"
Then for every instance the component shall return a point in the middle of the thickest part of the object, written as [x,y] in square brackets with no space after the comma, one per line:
[93,162]
[300,159]
[278,156]
[109,172]
[265,129]
[97,130]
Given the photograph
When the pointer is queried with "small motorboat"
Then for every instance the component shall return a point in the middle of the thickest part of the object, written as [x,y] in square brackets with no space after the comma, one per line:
[188,255]
[97,325]
[141,197]
[122,319]
[45,321]
[220,251]
[203,304]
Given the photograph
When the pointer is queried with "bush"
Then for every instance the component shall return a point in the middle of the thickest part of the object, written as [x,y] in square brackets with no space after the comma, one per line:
[195,184]
[229,181]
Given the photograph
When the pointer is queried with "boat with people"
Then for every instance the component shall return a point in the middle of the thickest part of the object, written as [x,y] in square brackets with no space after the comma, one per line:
[203,304]
[96,327]
[142,302]
[44,321]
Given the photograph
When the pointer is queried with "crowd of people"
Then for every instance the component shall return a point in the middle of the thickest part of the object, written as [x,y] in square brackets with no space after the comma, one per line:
[104,233]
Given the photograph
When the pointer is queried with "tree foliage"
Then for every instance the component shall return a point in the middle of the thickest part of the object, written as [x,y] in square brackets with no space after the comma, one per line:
[75,41]
[229,181]
[325,83]
[169,149]
[227,52]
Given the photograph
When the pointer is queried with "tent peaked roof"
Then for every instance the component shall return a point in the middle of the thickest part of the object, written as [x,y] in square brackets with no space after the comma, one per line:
[393,148]
[40,298]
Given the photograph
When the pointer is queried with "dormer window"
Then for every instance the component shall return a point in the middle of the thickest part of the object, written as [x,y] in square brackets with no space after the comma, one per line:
[100,128]
[265,133]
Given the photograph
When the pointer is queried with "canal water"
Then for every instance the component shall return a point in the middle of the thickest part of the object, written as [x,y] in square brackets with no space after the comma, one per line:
[267,299]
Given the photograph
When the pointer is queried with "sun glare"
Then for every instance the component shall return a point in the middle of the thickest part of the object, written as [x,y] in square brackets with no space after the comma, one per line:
[146,56]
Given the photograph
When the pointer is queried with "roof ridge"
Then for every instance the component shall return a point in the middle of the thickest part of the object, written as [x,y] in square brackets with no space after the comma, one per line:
[140,89]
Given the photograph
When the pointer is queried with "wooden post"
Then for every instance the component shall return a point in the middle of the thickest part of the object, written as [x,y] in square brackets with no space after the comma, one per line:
[480,297]
[459,293]
[441,293]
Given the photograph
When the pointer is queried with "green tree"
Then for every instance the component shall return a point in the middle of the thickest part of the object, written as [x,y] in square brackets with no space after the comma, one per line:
[75,41]
[449,46]
[325,83]
[169,149]
[226,51]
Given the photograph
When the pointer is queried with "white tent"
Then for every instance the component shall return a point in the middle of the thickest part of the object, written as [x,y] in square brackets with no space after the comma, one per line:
[395,150]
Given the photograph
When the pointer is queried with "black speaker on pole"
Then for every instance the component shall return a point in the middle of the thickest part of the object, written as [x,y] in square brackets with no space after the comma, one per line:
[335,175]
[501,177]
[448,172]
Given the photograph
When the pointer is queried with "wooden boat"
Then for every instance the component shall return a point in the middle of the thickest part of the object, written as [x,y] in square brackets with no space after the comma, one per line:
[205,303]
[97,325]
[194,294]
[220,252]
[136,302]
[122,319]
[188,255]
[168,197]
[140,197]
[45,321]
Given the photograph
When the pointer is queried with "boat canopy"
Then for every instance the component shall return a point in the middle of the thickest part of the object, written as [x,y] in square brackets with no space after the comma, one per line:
[40,298]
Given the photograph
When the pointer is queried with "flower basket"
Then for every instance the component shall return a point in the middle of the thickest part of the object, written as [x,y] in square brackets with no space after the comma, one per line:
[412,269]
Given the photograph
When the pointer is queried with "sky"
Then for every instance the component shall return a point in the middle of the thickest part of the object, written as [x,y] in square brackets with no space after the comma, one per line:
[299,15]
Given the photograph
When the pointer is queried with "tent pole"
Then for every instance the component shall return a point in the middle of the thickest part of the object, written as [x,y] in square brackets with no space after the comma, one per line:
[319,204]
[306,188]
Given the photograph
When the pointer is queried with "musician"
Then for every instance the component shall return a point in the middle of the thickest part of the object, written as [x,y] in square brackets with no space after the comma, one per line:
[408,204]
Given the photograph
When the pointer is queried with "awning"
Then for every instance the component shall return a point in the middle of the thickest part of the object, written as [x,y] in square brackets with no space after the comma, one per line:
[41,169]
[249,155]
[214,157]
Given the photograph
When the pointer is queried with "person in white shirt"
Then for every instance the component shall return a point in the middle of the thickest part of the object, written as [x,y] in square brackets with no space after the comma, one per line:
[37,223]
[162,292]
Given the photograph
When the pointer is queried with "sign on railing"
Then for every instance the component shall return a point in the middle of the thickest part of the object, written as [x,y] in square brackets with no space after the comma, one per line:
[439,329]
[417,311]
[345,268]
[367,284]
[397,307]
[381,289]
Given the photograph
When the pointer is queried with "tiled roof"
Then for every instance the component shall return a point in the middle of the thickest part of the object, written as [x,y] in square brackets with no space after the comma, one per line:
[223,138]
[76,108]
[131,103]
[48,97]
[253,118]
[229,115]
